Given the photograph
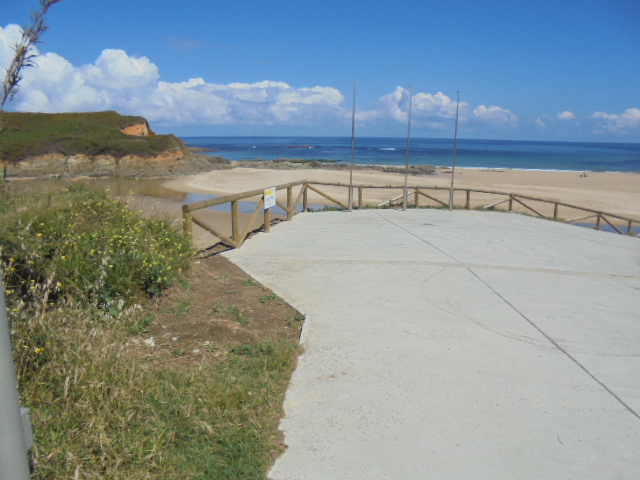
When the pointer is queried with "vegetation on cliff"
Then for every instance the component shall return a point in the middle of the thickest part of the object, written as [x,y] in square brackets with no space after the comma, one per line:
[97,133]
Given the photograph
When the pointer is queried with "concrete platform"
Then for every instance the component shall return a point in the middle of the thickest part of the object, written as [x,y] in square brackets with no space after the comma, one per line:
[456,345]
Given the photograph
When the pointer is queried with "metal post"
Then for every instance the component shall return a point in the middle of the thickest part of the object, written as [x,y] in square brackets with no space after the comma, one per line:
[353,143]
[406,168]
[455,152]
[13,451]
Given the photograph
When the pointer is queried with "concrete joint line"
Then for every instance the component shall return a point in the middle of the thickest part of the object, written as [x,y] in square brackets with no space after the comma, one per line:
[523,316]
[429,263]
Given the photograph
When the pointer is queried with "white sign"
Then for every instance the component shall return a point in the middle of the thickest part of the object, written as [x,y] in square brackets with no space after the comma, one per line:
[270,197]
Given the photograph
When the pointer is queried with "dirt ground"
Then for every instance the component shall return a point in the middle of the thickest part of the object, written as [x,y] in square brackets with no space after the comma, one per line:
[215,308]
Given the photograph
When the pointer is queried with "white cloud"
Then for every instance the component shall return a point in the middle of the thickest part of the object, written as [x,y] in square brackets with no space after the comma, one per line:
[395,105]
[566,115]
[133,85]
[8,37]
[626,122]
[438,105]
[500,117]
[117,71]
[431,110]
[540,123]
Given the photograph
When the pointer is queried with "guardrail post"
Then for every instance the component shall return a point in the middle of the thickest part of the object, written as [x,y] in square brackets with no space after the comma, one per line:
[267,220]
[289,203]
[13,447]
[305,199]
[467,204]
[235,227]
[187,224]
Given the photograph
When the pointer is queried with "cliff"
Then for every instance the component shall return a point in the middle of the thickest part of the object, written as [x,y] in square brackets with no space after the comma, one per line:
[97,143]
[168,164]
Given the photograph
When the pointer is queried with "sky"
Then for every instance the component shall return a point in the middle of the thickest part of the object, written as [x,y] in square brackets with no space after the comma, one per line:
[549,70]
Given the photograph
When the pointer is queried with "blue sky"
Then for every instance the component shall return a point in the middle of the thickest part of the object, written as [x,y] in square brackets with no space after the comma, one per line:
[540,70]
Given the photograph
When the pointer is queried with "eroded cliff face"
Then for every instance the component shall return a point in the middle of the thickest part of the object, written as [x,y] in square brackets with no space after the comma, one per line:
[139,130]
[58,165]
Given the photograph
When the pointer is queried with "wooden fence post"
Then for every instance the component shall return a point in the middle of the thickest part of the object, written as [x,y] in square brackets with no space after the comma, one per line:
[598,222]
[555,210]
[360,197]
[187,224]
[235,228]
[289,203]
[417,201]
[510,203]
[305,199]
[467,204]
[267,220]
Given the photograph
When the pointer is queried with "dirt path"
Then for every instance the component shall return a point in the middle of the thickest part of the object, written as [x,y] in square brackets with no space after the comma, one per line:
[216,306]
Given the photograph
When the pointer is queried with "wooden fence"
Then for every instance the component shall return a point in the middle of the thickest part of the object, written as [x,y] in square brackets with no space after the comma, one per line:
[421,197]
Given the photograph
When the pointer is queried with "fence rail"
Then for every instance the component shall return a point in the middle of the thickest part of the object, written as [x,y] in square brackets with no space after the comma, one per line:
[419,194]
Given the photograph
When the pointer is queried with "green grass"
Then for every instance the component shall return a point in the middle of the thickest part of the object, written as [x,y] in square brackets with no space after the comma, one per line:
[98,133]
[102,405]
[295,320]
[232,312]
[268,298]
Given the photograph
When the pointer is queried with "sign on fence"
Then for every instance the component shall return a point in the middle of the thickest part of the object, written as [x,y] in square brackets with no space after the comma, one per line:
[270,197]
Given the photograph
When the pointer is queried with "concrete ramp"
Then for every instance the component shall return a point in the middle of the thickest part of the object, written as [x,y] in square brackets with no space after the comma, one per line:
[456,345]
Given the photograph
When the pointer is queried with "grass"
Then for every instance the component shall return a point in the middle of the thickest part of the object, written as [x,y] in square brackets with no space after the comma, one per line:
[78,268]
[295,320]
[181,309]
[268,298]
[98,133]
[231,311]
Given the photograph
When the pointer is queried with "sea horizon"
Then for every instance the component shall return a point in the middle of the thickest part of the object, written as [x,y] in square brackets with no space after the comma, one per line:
[392,151]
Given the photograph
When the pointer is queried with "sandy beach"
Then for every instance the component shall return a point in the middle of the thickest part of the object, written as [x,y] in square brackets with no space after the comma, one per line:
[616,193]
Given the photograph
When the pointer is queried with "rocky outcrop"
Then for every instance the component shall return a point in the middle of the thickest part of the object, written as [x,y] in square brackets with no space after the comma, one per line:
[166,164]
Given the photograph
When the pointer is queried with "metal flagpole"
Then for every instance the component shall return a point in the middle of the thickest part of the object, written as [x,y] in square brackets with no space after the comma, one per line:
[406,168]
[455,152]
[13,448]
[353,142]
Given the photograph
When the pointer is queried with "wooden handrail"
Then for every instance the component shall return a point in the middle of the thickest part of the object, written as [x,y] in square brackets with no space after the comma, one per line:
[237,237]
[190,207]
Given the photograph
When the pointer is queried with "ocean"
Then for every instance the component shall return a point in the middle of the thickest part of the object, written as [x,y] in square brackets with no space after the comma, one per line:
[502,154]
